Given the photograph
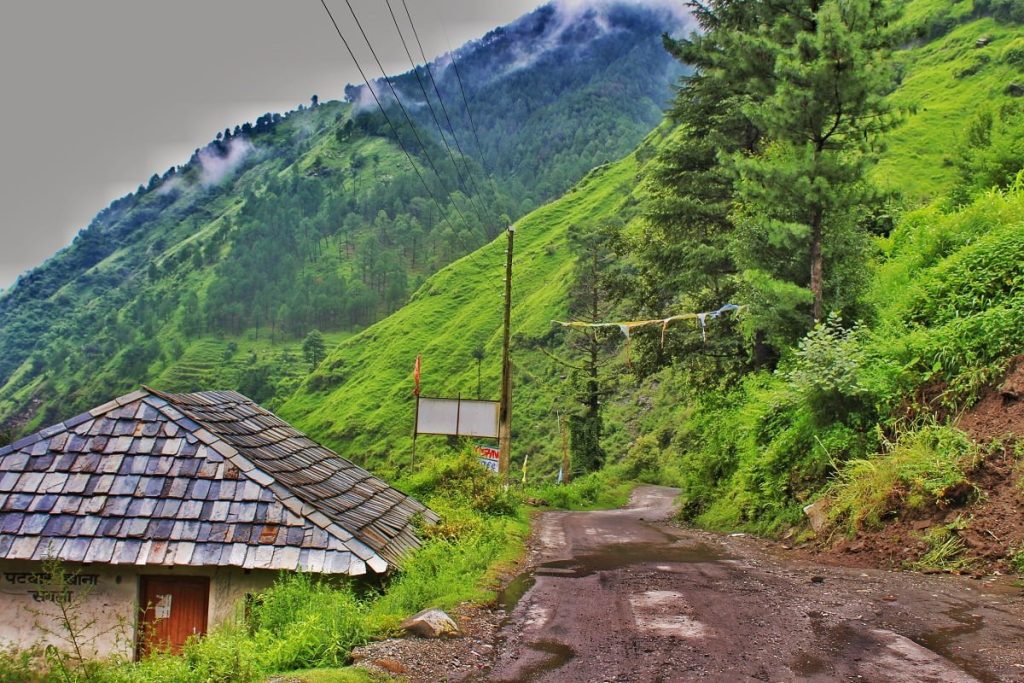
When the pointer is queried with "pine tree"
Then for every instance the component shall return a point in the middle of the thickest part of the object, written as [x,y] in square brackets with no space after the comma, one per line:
[314,348]
[685,255]
[820,108]
[591,300]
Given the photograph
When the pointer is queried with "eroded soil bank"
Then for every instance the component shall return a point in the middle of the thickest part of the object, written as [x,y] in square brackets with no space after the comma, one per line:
[623,595]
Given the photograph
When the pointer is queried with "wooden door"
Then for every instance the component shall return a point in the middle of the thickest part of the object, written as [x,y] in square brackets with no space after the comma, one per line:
[172,609]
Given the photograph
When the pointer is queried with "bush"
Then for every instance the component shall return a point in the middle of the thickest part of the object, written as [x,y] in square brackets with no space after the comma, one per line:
[305,622]
[21,666]
[1013,54]
[1004,10]
[826,369]
[927,467]
[462,482]
[602,489]
[1017,560]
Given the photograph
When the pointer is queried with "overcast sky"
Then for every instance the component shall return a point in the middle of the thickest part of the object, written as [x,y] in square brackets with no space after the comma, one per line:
[99,95]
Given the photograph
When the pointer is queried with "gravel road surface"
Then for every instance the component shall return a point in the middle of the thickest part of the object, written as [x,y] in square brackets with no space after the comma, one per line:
[623,595]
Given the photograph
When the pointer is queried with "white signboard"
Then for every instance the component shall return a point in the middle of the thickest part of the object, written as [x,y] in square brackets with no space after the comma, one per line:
[455,417]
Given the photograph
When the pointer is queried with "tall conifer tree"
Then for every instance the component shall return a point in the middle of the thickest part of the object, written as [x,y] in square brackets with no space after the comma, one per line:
[820,109]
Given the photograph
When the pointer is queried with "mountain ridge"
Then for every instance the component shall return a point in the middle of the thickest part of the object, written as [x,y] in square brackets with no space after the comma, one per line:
[308,219]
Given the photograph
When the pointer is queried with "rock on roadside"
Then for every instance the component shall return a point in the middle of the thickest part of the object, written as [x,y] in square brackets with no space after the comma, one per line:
[431,623]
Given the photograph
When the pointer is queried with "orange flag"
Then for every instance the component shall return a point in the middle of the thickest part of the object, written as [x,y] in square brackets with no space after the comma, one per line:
[416,376]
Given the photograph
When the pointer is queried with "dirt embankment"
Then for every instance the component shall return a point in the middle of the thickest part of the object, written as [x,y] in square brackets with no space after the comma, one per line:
[991,511]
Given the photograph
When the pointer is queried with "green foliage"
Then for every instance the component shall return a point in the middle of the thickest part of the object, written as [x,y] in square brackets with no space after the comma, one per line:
[305,622]
[345,675]
[1013,53]
[604,489]
[1017,560]
[945,549]
[919,162]
[927,467]
[817,75]
[21,666]
[1006,10]
[314,348]
[462,482]
[827,367]
[992,151]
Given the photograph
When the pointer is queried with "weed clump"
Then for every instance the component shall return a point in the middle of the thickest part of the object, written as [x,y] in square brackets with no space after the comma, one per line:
[927,467]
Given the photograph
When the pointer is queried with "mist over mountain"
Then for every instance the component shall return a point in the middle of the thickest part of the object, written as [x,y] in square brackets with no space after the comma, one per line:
[599,66]
[213,272]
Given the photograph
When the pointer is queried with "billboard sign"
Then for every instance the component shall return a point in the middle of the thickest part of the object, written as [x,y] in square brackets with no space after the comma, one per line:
[457,417]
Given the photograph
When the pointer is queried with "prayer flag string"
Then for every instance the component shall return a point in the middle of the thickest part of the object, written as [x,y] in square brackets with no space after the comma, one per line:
[627,327]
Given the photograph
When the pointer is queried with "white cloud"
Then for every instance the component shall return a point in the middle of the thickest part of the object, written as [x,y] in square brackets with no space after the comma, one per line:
[214,167]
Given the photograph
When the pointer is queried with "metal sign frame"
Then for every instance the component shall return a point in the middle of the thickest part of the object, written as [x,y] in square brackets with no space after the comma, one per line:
[459,428]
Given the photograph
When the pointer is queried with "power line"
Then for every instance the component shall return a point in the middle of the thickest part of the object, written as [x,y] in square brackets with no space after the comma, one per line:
[437,91]
[398,138]
[441,212]
[465,100]
[401,106]
[469,114]
[426,98]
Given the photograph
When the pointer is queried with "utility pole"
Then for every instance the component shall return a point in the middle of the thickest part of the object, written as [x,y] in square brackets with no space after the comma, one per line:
[566,476]
[505,408]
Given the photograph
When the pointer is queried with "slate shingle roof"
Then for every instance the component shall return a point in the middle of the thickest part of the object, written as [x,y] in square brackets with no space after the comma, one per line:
[196,479]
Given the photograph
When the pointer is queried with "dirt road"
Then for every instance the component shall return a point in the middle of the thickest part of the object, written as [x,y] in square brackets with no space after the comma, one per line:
[623,596]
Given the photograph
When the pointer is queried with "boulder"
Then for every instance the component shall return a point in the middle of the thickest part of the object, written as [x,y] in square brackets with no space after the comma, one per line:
[817,515]
[431,623]
[1015,90]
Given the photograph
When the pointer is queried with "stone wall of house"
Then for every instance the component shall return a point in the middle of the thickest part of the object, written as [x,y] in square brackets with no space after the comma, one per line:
[28,615]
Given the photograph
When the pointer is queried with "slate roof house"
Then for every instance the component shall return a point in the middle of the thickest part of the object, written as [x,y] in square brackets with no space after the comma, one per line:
[174,507]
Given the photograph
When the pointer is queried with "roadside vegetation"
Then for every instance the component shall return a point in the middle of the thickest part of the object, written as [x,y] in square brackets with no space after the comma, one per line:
[762,413]
[307,622]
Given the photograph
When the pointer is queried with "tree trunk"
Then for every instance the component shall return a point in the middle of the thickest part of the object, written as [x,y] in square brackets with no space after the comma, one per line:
[817,268]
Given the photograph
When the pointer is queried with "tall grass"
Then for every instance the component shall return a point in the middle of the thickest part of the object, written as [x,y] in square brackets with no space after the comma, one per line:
[305,621]
[927,467]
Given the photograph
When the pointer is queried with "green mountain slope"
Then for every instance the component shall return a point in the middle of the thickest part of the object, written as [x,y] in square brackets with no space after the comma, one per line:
[946,82]
[360,400]
[211,274]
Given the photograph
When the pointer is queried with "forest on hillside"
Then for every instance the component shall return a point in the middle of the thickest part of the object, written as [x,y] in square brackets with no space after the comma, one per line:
[876,308]
[325,219]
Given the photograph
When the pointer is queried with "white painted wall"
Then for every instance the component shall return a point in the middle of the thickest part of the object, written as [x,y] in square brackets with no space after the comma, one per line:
[110,608]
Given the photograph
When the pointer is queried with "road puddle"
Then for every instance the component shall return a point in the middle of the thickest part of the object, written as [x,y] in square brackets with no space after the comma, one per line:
[511,594]
[944,641]
[607,558]
[555,656]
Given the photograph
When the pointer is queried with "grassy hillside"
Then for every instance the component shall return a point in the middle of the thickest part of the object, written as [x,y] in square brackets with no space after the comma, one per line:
[946,82]
[360,399]
[315,219]
[753,457]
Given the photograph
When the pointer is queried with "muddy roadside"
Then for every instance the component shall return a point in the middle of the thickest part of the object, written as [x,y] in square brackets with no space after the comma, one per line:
[626,595]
